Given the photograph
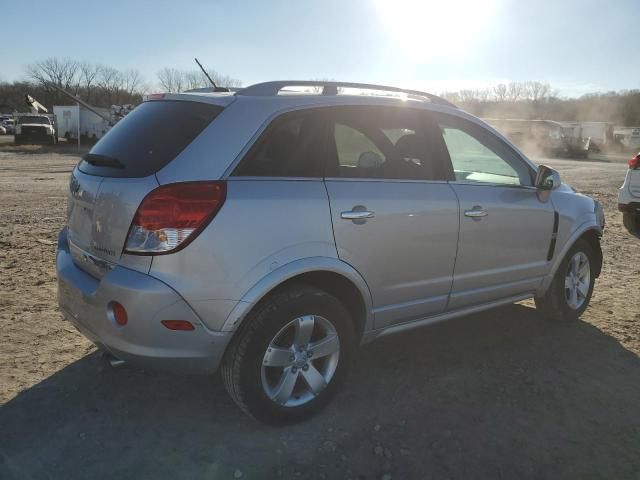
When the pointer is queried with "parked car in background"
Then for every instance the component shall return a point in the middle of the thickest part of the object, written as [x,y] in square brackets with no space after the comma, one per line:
[3,131]
[35,129]
[276,230]
[629,197]
[10,125]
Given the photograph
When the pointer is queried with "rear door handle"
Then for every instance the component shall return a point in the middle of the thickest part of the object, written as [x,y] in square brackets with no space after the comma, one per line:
[476,212]
[357,215]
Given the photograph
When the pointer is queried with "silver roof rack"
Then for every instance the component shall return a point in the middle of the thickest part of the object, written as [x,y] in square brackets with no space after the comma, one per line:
[270,89]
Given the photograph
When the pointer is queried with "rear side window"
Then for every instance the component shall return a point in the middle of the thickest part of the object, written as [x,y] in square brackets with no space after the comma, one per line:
[291,146]
[385,143]
[148,138]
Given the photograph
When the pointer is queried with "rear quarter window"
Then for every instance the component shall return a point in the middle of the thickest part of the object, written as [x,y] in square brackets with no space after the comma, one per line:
[148,138]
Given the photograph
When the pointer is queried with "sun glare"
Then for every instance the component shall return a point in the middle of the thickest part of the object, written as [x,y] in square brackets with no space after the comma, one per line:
[431,28]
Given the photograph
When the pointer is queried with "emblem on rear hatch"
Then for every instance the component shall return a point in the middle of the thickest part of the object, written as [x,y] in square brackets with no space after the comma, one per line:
[74,187]
[100,249]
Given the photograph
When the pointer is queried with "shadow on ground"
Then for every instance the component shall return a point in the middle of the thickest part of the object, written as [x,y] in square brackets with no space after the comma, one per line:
[501,394]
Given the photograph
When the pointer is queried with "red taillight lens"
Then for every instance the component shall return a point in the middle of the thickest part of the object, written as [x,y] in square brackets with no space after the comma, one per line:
[119,314]
[177,324]
[634,162]
[172,215]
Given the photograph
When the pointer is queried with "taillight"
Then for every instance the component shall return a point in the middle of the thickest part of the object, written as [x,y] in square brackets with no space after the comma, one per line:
[173,215]
[634,162]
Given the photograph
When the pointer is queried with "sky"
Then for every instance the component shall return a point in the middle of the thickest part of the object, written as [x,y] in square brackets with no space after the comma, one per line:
[578,46]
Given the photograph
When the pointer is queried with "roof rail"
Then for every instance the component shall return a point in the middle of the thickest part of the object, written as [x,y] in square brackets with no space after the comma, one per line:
[269,89]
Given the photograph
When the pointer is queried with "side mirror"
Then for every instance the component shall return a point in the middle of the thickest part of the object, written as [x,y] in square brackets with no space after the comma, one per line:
[547,178]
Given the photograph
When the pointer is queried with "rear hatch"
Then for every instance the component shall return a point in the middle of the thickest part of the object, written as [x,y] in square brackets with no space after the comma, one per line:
[110,182]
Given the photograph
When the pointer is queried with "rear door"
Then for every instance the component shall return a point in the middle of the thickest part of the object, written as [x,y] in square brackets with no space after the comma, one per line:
[111,181]
[505,228]
[395,218]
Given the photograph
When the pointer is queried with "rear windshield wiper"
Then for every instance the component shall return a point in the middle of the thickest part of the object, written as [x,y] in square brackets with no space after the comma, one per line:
[102,160]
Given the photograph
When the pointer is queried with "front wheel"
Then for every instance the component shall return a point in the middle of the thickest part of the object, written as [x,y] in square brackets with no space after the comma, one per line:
[290,356]
[572,286]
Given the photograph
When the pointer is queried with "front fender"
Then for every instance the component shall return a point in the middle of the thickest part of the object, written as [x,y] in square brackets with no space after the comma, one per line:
[587,224]
[291,270]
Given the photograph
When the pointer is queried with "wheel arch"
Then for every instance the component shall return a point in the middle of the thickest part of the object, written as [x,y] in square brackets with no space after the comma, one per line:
[591,233]
[592,237]
[328,274]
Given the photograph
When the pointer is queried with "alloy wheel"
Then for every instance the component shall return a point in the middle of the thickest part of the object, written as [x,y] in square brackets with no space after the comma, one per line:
[577,280]
[300,360]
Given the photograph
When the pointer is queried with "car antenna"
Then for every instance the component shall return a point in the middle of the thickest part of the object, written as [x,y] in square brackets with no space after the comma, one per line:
[215,87]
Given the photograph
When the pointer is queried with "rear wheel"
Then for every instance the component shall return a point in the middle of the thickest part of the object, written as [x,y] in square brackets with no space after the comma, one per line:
[571,288]
[290,356]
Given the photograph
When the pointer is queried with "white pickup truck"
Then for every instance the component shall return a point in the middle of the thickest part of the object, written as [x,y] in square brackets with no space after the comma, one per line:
[35,129]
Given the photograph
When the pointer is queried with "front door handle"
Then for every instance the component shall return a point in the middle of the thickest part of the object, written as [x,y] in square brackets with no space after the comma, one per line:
[357,215]
[476,212]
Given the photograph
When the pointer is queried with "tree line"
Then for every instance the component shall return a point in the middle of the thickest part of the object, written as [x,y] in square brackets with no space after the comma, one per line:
[538,100]
[98,85]
[103,86]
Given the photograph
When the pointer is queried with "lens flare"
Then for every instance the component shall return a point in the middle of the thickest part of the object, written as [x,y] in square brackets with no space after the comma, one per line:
[423,29]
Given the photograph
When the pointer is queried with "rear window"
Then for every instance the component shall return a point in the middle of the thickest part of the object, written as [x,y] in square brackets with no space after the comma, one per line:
[148,138]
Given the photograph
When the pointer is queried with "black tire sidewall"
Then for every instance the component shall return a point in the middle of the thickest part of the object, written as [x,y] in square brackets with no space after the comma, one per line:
[271,318]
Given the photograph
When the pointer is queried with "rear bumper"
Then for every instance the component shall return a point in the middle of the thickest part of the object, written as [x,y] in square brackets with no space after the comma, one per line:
[144,341]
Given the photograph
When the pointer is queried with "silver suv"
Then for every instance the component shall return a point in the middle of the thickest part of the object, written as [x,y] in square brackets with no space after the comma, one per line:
[283,225]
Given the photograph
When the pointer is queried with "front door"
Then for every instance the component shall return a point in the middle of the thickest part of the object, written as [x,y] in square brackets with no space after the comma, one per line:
[505,228]
[395,217]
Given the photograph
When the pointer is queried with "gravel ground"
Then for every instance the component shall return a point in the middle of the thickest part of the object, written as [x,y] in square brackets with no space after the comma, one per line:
[502,394]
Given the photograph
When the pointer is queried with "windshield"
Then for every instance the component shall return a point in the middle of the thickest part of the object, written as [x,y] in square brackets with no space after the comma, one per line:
[33,119]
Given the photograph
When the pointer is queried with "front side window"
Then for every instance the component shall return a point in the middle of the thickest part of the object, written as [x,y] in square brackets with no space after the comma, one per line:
[383,143]
[289,147]
[478,156]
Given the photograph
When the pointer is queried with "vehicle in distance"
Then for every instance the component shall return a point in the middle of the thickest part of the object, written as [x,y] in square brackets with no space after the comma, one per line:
[629,197]
[9,124]
[277,229]
[34,129]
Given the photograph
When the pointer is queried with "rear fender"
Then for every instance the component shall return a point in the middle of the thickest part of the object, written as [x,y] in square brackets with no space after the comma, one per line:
[293,269]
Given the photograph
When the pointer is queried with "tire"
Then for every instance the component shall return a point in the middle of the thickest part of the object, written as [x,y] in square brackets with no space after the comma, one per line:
[558,304]
[277,322]
[631,222]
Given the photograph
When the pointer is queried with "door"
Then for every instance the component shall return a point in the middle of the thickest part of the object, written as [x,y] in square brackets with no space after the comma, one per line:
[505,229]
[395,218]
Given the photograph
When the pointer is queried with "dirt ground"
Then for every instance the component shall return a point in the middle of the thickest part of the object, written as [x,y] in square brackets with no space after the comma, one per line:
[500,395]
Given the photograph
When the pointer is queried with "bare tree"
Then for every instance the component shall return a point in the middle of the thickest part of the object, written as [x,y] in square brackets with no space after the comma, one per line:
[195,79]
[131,80]
[88,77]
[110,81]
[174,80]
[514,91]
[62,72]
[171,80]
[500,92]
[537,91]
